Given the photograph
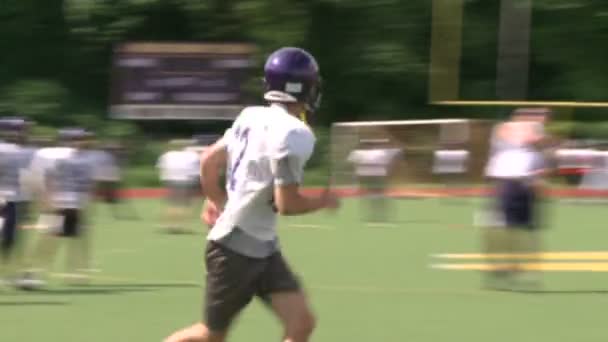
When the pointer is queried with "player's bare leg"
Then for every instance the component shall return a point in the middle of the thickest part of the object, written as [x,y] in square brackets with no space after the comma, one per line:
[78,258]
[46,250]
[295,314]
[196,333]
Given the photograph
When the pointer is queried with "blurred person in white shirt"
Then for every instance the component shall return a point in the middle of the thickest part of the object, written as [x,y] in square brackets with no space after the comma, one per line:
[67,187]
[108,177]
[14,194]
[177,167]
[516,167]
[451,166]
[373,162]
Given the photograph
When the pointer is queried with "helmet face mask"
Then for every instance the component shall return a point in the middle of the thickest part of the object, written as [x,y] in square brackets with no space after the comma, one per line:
[292,75]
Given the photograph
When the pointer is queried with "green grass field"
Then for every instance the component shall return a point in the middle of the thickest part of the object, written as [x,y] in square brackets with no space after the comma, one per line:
[366,284]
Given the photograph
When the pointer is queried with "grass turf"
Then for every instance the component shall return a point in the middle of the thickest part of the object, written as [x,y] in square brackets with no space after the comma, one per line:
[365,283]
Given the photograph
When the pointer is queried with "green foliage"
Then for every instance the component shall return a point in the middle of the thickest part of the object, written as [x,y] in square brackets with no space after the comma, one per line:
[141,176]
[374,55]
[45,132]
[579,130]
[119,129]
[44,101]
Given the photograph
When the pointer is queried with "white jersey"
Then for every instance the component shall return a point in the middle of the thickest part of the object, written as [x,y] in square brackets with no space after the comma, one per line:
[43,161]
[515,163]
[576,158]
[72,180]
[514,159]
[373,162]
[266,146]
[178,166]
[106,166]
[450,161]
[10,168]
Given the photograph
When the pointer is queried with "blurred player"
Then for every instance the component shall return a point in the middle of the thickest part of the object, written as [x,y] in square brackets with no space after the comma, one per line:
[516,167]
[14,158]
[69,185]
[177,167]
[265,152]
[373,162]
[43,161]
[108,180]
[450,165]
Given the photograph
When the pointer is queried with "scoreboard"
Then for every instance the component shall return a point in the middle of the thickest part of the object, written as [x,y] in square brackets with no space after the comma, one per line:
[152,81]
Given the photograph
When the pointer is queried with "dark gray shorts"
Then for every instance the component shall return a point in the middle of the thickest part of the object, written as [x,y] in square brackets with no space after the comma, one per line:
[517,203]
[234,279]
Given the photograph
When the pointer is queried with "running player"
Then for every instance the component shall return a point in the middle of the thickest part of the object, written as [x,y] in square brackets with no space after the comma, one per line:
[108,180]
[69,188]
[264,154]
[14,159]
[374,162]
[516,167]
[176,168]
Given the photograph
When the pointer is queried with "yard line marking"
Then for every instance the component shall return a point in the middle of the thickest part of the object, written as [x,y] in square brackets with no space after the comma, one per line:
[528,266]
[390,291]
[599,255]
[128,280]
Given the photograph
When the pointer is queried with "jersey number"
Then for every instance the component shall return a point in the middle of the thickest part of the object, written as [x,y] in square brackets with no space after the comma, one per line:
[242,136]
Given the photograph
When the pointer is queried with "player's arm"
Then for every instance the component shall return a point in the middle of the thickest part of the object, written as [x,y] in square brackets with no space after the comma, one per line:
[213,162]
[288,197]
[289,200]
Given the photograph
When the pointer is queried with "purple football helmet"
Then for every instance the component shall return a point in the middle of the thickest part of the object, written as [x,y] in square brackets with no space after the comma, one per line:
[292,75]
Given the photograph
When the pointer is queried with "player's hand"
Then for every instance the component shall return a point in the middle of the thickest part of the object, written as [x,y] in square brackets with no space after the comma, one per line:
[210,213]
[331,200]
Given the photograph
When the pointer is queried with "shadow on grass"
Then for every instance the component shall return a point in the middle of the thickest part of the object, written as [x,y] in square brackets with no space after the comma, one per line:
[32,303]
[550,291]
[563,292]
[109,289]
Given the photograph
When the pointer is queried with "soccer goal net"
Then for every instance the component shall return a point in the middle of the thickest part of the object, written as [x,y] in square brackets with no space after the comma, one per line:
[463,143]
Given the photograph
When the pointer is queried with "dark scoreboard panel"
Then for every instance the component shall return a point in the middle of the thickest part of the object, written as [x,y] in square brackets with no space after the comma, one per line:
[180,80]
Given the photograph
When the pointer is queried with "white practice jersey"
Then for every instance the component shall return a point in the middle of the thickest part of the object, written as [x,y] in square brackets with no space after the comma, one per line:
[373,162]
[514,159]
[577,158]
[72,180]
[450,161]
[43,161]
[105,165]
[266,146]
[10,167]
[178,166]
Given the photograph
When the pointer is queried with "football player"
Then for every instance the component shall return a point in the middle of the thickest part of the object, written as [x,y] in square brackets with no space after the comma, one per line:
[14,159]
[516,167]
[176,167]
[69,187]
[263,154]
